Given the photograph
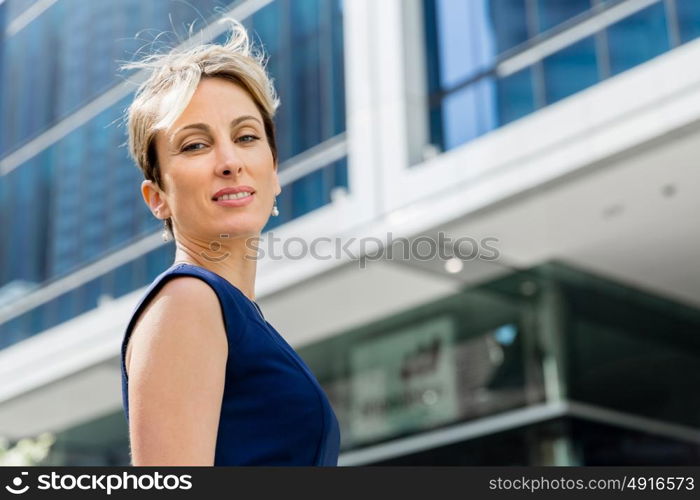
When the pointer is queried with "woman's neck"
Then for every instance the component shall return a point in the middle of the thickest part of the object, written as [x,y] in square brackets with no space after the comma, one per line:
[235,260]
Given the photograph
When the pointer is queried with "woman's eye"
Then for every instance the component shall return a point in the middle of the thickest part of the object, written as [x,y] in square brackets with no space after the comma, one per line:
[190,147]
[248,138]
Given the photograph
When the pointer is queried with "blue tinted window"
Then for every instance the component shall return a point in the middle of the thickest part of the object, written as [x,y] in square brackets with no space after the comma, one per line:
[432,49]
[437,134]
[638,38]
[688,19]
[123,280]
[26,207]
[309,193]
[340,173]
[468,113]
[23,327]
[90,293]
[516,97]
[464,38]
[304,44]
[463,52]
[96,203]
[66,307]
[509,23]
[570,70]
[337,104]
[554,12]
[69,54]
[159,260]
[14,330]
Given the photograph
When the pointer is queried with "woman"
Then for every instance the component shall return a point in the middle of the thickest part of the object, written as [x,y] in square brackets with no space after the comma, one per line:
[205,379]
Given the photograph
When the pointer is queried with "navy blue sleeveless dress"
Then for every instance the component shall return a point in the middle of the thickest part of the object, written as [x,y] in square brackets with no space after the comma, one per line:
[274,412]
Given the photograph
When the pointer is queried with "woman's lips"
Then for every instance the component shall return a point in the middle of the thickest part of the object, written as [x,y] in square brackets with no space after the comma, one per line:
[239,202]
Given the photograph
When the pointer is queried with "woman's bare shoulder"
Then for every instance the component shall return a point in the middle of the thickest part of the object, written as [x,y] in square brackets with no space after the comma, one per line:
[177,376]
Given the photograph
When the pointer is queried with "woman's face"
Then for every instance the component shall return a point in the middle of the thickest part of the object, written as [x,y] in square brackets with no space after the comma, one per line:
[218,142]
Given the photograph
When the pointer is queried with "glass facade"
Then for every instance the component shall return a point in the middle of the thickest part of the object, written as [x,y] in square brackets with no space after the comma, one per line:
[77,199]
[467,41]
[69,55]
[482,352]
[305,43]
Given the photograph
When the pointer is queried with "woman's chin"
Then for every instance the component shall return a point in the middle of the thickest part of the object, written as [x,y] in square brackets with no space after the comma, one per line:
[240,230]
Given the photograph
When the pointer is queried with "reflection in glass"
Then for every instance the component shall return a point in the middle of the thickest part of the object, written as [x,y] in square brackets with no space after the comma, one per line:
[463,52]
[468,113]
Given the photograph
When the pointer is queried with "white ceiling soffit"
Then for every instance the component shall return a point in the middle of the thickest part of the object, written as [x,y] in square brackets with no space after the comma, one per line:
[348,297]
[63,404]
[633,219]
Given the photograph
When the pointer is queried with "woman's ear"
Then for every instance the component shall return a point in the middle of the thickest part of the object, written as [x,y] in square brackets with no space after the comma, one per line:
[155,199]
[278,188]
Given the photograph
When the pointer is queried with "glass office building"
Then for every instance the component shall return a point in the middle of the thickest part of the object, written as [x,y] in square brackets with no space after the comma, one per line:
[409,117]
[556,356]
[490,84]
[69,192]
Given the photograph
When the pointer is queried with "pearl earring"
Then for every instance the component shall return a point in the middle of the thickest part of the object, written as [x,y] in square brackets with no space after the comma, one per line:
[275,210]
[165,234]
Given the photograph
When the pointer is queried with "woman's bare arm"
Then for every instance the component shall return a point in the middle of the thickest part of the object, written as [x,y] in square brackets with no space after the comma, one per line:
[176,365]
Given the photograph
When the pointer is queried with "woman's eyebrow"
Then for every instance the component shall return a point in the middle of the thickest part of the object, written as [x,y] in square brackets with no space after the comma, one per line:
[206,128]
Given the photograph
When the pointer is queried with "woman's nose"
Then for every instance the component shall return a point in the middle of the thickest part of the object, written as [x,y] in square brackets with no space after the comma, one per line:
[228,161]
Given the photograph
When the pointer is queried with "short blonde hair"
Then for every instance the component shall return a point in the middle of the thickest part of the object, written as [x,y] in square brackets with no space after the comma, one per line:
[173,79]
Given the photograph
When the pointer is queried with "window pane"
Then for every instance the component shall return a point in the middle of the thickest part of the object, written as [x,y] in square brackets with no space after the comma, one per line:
[509,23]
[688,19]
[638,38]
[123,280]
[468,113]
[570,70]
[464,38]
[304,43]
[554,12]
[308,193]
[69,54]
[26,207]
[515,96]
[463,52]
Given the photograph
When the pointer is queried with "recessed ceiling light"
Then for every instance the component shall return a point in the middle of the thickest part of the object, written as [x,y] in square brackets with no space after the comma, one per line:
[613,211]
[453,265]
[668,190]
